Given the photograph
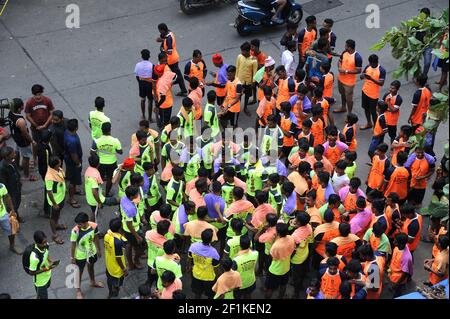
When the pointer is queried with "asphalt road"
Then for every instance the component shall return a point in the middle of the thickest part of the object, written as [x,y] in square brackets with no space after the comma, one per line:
[76,65]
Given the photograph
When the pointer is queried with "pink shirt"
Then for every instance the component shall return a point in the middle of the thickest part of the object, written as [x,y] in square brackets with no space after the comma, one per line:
[168,291]
[361,221]
[268,236]
[260,213]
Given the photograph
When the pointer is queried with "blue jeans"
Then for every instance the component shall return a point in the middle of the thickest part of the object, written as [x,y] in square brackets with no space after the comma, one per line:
[427,57]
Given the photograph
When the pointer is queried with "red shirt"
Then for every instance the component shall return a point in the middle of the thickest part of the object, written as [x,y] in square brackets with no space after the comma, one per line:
[39,111]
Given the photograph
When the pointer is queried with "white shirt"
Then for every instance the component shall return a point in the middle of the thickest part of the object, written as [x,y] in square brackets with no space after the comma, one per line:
[288,60]
[144,69]
[339,182]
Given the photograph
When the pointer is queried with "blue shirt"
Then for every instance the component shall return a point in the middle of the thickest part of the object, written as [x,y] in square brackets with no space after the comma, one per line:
[222,74]
[72,145]
[306,102]
[211,200]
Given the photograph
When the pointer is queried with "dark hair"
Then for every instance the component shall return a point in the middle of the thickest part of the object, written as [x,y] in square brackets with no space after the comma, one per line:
[211,96]
[378,204]
[355,182]
[244,242]
[401,239]
[58,113]
[422,79]
[72,125]
[443,242]
[177,171]
[216,186]
[341,164]
[193,83]
[280,68]
[196,53]
[162,56]
[207,236]
[168,276]
[331,248]
[365,250]
[36,89]
[316,110]
[328,216]
[52,161]
[165,210]
[238,192]
[231,69]
[145,54]
[145,290]
[331,130]
[303,89]
[326,66]
[187,102]
[39,237]
[323,32]
[162,227]
[382,105]
[245,46]
[147,166]
[106,128]
[361,202]
[291,25]
[396,84]
[81,218]
[312,193]
[302,217]
[288,187]
[261,196]
[329,21]
[322,43]
[351,156]
[300,74]
[307,123]
[352,118]
[354,266]
[393,196]
[255,42]
[383,147]
[351,43]
[373,58]
[310,19]
[169,247]
[274,178]
[344,229]
[163,27]
[426,11]
[345,289]
[333,261]
[100,102]
[115,224]
[227,264]
[379,229]
[271,220]
[136,179]
[282,229]
[229,171]
[131,191]
[178,294]
[202,212]
[334,199]
[407,209]
[323,177]
[291,45]
[304,167]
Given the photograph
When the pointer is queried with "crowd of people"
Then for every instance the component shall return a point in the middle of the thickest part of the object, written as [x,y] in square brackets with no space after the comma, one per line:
[196,201]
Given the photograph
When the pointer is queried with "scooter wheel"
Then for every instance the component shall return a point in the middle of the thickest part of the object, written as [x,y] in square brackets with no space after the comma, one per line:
[241,25]
[295,16]
[186,7]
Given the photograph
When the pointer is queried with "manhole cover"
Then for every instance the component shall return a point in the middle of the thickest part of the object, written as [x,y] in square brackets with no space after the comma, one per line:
[317,6]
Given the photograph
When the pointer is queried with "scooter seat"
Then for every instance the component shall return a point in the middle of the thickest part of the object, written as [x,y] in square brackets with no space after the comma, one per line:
[256,5]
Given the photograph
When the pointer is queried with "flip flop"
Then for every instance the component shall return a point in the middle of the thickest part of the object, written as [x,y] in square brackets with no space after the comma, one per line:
[75,204]
[58,240]
[98,284]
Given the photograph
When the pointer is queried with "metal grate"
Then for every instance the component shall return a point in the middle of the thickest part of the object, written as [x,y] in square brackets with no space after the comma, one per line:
[317,6]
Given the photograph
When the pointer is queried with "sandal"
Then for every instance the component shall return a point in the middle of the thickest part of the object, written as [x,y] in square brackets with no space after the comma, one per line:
[74,204]
[58,240]
[98,284]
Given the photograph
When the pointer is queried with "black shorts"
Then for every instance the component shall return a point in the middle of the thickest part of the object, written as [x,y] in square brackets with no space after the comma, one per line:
[200,286]
[145,90]
[36,135]
[114,284]
[107,170]
[286,150]
[82,263]
[443,64]
[416,195]
[73,174]
[275,281]
[239,293]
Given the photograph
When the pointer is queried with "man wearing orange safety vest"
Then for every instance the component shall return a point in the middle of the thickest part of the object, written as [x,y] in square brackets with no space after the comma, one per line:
[306,38]
[412,226]
[169,46]
[401,268]
[350,64]
[196,68]
[373,75]
[420,103]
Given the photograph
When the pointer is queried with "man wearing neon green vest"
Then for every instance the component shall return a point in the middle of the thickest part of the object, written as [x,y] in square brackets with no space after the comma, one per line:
[107,148]
[246,261]
[97,118]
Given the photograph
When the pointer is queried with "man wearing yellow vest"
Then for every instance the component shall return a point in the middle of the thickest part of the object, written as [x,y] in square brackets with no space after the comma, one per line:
[169,46]
[116,268]
[97,118]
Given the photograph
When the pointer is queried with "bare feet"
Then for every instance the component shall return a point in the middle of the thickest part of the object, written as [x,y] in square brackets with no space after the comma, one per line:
[365,127]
